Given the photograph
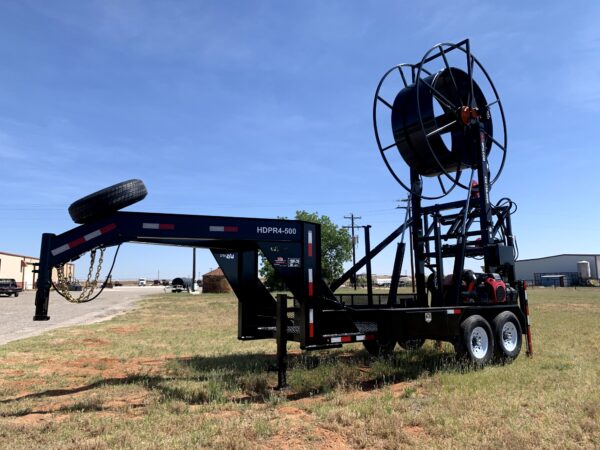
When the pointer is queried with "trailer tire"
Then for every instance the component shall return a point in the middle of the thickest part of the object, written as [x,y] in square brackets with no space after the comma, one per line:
[508,336]
[107,201]
[411,344]
[380,348]
[476,343]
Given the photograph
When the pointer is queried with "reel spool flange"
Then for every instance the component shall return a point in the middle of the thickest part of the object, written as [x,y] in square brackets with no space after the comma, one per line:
[436,118]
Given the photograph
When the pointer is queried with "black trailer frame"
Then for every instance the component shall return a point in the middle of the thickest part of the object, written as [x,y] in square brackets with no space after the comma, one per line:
[315,317]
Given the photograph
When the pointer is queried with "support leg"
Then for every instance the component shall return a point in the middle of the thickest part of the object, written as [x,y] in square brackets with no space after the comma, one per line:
[281,335]
[42,294]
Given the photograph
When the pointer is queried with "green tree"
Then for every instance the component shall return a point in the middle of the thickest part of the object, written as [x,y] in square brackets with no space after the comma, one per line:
[336,249]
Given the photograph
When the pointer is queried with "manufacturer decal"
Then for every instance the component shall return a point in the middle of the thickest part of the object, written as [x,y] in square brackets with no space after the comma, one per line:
[294,262]
[280,261]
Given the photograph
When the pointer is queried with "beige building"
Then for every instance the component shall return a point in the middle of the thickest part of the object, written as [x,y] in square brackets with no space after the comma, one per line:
[21,268]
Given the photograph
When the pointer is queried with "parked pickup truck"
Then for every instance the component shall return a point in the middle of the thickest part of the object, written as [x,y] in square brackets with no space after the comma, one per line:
[8,287]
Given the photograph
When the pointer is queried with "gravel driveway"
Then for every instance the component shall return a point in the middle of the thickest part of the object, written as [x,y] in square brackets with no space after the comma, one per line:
[16,314]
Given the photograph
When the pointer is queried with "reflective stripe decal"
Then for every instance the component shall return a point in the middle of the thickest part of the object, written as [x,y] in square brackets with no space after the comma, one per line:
[88,237]
[158,226]
[223,229]
[453,311]
[310,244]
[310,283]
[311,323]
[346,339]
[340,339]
[62,248]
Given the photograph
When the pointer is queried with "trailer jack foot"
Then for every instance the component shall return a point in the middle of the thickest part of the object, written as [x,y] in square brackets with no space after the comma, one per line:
[41,317]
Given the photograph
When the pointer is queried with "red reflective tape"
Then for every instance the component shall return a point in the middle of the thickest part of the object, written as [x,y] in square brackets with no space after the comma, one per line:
[369,337]
[346,338]
[310,290]
[76,242]
[457,311]
[166,226]
[525,285]
[311,330]
[108,228]
[230,229]
[310,250]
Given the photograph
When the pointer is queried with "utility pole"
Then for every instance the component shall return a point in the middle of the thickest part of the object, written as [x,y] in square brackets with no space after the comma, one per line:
[194,269]
[367,229]
[352,218]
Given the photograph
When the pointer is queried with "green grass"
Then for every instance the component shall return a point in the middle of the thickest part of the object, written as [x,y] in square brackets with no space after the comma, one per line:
[172,374]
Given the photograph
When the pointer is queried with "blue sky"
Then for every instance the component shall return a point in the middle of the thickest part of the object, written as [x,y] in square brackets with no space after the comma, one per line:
[258,108]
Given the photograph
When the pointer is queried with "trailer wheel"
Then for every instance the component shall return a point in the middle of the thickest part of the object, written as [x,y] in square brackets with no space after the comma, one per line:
[108,200]
[380,348]
[411,344]
[508,336]
[476,342]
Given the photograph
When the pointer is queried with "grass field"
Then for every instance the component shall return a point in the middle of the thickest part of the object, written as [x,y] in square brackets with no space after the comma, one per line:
[171,374]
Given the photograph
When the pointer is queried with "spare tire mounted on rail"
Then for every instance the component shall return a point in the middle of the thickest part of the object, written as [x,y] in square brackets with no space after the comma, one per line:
[107,201]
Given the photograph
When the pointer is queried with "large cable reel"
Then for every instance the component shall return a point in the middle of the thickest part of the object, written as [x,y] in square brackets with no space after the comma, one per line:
[437,112]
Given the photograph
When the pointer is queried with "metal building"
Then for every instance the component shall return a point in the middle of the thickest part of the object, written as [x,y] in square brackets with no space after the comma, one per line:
[20,267]
[557,270]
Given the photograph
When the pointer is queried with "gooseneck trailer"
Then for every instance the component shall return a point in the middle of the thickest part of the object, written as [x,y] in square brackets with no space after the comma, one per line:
[443,125]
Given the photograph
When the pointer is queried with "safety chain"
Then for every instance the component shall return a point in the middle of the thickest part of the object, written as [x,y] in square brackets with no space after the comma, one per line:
[62,286]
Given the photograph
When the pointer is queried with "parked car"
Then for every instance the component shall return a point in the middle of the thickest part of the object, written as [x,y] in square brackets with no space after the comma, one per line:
[8,287]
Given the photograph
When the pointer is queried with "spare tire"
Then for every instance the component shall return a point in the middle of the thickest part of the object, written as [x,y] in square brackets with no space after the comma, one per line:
[108,200]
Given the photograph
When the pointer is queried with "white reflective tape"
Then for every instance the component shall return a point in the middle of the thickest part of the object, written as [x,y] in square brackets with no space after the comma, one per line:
[449,311]
[150,226]
[310,237]
[58,250]
[92,235]
[335,340]
[360,337]
[216,228]
[311,315]
[528,321]
[310,276]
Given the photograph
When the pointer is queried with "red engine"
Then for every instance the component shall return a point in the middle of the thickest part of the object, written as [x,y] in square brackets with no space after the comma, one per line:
[495,288]
[485,288]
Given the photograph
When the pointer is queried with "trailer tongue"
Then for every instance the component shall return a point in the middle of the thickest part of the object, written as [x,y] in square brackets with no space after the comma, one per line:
[442,127]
